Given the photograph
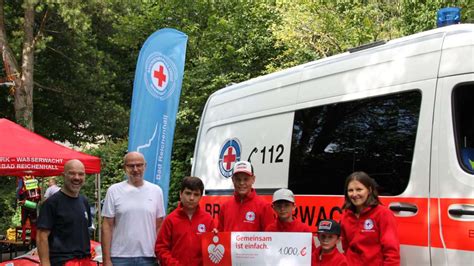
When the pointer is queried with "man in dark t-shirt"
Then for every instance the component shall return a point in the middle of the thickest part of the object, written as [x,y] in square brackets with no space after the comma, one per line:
[63,222]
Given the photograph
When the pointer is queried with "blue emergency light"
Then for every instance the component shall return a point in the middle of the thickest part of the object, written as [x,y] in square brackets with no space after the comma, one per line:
[448,16]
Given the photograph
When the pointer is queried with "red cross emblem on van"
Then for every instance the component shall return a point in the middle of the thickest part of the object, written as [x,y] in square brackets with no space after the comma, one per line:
[229,154]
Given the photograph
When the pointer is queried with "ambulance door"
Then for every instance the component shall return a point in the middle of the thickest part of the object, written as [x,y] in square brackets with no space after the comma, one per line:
[452,173]
[385,133]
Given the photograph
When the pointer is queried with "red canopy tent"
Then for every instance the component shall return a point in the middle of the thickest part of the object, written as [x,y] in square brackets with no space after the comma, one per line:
[24,152]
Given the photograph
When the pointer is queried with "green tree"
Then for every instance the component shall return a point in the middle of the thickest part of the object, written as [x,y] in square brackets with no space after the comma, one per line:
[21,77]
[228,42]
[76,95]
[7,202]
[417,16]
[111,154]
[312,30]
[317,29]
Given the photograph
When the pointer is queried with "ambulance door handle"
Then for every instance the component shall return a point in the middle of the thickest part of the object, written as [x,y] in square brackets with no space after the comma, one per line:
[400,207]
[457,211]
[460,212]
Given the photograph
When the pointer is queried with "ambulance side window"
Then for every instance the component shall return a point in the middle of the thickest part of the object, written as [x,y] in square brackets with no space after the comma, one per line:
[463,111]
[376,135]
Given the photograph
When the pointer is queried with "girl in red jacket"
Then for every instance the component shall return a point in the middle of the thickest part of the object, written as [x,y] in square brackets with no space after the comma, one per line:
[369,230]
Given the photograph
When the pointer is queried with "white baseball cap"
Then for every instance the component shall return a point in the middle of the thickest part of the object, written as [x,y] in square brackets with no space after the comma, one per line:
[243,167]
[283,194]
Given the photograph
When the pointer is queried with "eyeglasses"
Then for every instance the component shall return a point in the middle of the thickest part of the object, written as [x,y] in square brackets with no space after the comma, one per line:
[137,165]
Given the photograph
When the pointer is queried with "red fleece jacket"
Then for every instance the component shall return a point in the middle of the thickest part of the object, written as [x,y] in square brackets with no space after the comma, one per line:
[371,238]
[293,226]
[333,258]
[250,214]
[179,239]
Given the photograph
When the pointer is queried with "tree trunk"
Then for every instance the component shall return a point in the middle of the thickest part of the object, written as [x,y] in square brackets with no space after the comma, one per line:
[22,87]
[12,72]
[24,92]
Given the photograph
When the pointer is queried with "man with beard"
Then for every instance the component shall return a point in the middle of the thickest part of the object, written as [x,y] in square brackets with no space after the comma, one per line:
[133,212]
[63,236]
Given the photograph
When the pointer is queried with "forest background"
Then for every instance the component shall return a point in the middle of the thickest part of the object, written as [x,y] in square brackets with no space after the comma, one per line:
[73,62]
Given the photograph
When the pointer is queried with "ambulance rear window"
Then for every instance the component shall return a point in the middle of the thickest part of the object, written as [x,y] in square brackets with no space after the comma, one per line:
[376,135]
[463,110]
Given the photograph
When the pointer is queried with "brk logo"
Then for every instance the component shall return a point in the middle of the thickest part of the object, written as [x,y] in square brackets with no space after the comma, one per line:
[160,76]
[250,216]
[229,154]
[368,224]
[201,228]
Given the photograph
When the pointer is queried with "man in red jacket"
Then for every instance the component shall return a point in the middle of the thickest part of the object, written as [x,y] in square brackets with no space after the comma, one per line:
[245,211]
[179,239]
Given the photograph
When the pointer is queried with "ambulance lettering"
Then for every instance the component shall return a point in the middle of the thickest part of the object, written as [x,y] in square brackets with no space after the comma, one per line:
[213,209]
[310,215]
[270,154]
[307,214]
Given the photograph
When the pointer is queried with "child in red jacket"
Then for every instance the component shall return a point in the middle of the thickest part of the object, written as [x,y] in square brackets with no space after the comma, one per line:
[327,254]
[179,240]
[284,205]
[245,211]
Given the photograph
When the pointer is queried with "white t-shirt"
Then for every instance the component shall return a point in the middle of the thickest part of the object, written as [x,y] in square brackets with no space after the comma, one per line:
[135,210]
[50,191]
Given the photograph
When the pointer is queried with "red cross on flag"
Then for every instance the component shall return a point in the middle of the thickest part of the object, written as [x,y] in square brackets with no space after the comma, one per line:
[160,76]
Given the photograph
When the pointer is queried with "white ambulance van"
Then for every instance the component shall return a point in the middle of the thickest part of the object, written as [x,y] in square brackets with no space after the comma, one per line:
[402,111]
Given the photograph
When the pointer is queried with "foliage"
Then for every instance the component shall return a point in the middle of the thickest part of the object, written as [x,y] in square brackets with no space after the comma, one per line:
[111,155]
[75,95]
[81,101]
[313,30]
[7,202]
[228,42]
[417,16]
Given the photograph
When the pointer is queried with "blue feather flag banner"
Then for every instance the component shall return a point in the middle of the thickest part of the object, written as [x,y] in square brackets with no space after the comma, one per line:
[156,91]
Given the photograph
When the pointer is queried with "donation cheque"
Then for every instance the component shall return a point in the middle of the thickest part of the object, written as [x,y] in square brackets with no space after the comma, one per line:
[256,248]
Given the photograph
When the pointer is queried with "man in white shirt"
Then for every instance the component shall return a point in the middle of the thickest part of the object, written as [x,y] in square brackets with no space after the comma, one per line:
[52,187]
[132,215]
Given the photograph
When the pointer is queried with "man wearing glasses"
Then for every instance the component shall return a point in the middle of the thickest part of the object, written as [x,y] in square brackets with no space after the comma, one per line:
[132,215]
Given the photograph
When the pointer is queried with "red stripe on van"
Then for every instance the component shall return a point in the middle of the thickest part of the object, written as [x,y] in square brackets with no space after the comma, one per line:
[413,230]
[457,233]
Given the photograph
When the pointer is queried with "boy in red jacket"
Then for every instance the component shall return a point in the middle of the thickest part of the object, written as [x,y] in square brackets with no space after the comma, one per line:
[179,240]
[283,204]
[327,254]
[245,211]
